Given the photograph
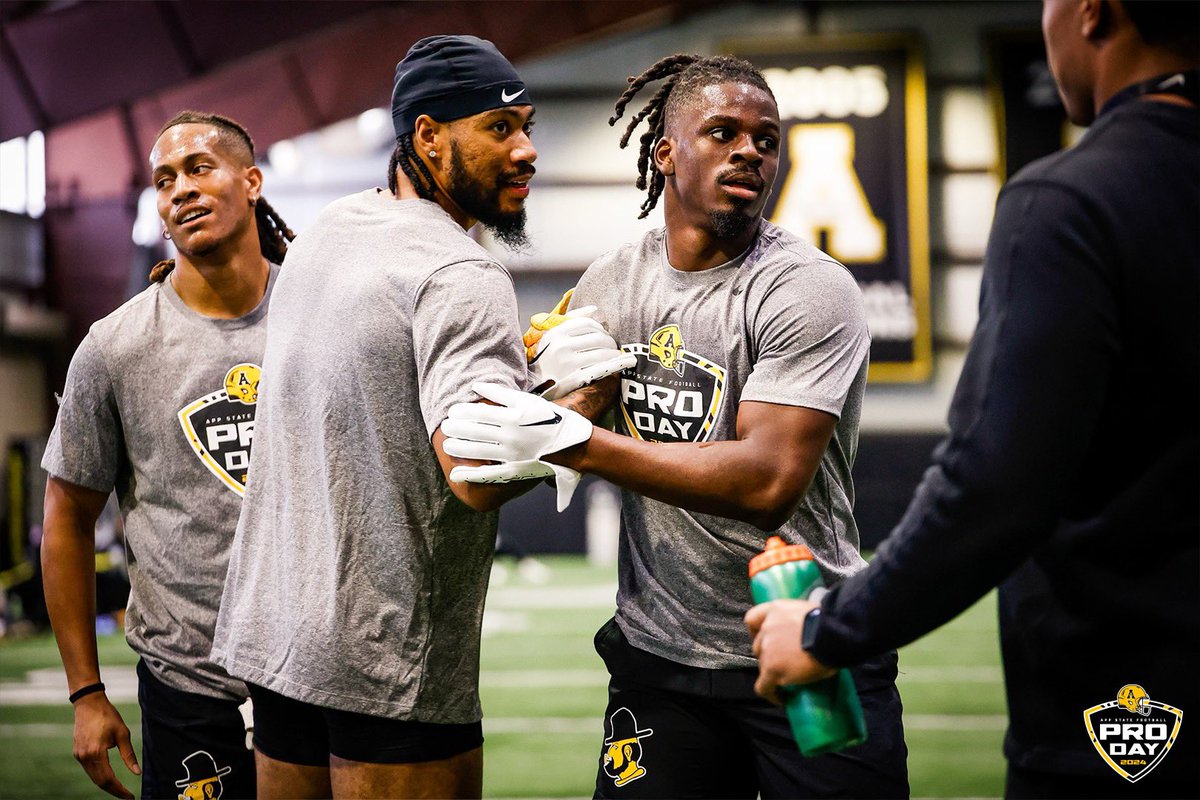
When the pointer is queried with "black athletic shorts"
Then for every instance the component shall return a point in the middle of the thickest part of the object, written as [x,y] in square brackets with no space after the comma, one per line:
[192,745]
[677,731]
[302,733]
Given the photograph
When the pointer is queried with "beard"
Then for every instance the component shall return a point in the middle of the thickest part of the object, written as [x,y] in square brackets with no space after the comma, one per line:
[483,204]
[731,223]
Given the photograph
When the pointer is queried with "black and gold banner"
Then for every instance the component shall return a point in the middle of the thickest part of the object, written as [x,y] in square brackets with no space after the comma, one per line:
[853,176]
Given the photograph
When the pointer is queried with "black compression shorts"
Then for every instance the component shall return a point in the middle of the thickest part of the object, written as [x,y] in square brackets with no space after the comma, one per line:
[302,733]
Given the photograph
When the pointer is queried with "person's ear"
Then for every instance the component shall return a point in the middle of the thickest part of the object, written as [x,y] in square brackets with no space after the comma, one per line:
[430,139]
[254,182]
[663,159]
[1095,18]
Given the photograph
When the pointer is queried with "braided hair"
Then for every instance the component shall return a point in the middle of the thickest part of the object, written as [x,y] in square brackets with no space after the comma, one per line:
[683,76]
[273,233]
[404,156]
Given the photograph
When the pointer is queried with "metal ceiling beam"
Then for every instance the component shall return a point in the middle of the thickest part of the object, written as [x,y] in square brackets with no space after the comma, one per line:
[20,79]
[178,33]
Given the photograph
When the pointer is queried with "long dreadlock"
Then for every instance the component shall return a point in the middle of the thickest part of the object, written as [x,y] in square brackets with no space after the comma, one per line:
[684,76]
[273,233]
[404,156]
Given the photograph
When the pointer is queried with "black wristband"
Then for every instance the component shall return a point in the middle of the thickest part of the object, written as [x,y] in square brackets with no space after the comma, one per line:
[85,691]
[808,636]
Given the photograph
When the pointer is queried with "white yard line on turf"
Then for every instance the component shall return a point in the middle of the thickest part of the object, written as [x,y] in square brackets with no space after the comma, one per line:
[49,685]
[949,674]
[602,595]
[586,726]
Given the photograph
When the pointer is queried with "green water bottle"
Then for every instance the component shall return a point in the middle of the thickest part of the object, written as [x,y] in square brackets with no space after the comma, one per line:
[826,715]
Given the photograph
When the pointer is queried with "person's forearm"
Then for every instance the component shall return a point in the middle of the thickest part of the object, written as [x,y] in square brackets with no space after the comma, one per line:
[481,497]
[69,580]
[721,478]
[593,400]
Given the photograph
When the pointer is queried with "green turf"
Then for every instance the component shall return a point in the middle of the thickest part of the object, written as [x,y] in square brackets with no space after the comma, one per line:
[558,758]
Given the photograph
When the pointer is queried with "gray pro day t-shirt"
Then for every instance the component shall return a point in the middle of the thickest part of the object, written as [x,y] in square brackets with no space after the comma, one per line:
[159,403]
[357,579]
[782,324]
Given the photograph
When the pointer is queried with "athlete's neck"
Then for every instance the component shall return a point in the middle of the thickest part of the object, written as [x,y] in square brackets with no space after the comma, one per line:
[406,191]
[692,248]
[224,288]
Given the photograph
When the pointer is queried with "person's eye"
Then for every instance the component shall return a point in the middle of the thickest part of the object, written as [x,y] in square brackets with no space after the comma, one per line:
[201,169]
[501,128]
[162,182]
[768,143]
[721,134]
[528,128]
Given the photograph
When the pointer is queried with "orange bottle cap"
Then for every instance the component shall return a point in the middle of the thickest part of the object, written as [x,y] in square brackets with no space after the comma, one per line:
[778,552]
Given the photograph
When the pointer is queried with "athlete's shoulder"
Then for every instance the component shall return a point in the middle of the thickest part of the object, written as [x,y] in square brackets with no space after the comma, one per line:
[128,329]
[133,320]
[781,256]
[622,258]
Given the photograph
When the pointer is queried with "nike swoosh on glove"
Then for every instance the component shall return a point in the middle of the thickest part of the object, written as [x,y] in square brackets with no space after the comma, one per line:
[517,432]
[576,352]
[569,351]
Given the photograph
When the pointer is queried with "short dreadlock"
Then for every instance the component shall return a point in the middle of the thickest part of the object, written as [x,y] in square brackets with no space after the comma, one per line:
[404,156]
[273,232]
[684,75]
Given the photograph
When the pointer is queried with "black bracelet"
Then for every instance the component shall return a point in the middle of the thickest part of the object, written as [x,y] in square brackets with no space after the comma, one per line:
[85,691]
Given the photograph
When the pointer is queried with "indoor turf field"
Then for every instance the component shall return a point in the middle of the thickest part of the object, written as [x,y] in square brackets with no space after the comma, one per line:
[543,696]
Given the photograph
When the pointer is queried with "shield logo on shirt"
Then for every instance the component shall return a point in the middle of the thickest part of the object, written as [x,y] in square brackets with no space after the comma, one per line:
[1133,733]
[671,394]
[220,426]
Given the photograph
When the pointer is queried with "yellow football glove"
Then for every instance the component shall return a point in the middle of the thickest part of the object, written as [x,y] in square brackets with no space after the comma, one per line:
[540,323]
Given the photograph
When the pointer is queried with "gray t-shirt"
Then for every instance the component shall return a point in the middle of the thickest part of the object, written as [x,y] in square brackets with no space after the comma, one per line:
[783,323]
[357,579]
[159,403]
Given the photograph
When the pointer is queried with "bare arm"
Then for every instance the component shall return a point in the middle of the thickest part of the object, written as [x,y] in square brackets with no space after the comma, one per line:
[69,577]
[759,478]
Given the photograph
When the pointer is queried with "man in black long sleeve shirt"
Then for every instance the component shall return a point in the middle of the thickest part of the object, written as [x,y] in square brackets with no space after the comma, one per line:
[1070,477]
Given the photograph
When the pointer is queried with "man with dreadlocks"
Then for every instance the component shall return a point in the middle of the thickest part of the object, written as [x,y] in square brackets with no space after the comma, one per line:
[740,416]
[355,592]
[159,404]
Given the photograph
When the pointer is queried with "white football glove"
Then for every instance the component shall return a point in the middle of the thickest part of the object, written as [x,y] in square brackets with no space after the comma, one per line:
[517,433]
[574,353]
[569,356]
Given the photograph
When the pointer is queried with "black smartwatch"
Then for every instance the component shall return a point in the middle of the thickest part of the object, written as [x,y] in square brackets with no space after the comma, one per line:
[812,621]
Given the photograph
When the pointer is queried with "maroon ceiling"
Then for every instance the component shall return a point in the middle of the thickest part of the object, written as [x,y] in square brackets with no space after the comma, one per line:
[101,77]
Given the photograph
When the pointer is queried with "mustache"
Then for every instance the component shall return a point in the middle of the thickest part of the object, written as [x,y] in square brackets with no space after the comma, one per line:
[748,173]
[528,171]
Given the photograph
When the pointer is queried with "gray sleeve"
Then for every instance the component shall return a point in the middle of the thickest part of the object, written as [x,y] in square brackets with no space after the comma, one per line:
[87,446]
[586,291]
[465,330]
[810,339]
[595,288]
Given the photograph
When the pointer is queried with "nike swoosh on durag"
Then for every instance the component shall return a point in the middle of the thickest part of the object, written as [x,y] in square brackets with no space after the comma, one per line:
[508,98]
[557,419]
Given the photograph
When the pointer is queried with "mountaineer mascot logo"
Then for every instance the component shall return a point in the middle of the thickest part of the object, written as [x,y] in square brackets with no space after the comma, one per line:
[623,748]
